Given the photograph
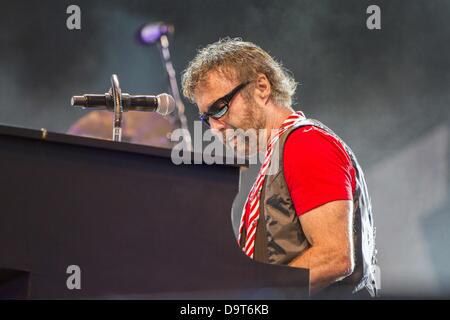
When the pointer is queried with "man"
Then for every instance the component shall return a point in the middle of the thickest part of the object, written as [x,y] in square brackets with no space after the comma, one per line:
[314,212]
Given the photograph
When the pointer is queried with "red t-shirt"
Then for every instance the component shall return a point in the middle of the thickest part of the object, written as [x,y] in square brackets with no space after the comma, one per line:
[317,169]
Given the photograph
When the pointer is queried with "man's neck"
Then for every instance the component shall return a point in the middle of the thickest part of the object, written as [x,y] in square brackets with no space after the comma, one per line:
[275,119]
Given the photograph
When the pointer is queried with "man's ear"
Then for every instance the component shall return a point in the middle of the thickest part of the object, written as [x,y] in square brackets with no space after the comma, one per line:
[263,88]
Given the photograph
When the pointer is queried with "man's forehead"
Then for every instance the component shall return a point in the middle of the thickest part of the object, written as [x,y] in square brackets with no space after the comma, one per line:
[214,86]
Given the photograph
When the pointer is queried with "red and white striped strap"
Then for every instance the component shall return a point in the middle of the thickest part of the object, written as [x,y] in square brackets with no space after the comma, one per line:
[250,213]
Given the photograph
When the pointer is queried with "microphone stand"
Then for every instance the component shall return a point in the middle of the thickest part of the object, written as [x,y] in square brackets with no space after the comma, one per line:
[163,46]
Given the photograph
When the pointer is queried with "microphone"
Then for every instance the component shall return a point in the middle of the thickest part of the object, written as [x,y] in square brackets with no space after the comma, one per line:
[163,104]
[152,32]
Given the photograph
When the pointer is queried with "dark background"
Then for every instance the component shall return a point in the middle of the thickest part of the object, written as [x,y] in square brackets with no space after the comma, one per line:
[385,92]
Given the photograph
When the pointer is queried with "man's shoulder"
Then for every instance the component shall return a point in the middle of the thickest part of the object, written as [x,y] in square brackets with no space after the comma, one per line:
[310,134]
[311,141]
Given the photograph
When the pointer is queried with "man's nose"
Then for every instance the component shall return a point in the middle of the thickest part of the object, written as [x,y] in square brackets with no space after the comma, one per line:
[217,124]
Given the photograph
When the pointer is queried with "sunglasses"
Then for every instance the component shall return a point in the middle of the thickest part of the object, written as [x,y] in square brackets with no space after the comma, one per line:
[220,107]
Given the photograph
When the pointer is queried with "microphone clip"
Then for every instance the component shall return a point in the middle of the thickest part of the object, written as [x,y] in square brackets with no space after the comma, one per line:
[112,101]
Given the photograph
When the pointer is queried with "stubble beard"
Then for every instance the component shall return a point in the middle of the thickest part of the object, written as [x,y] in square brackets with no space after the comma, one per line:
[250,137]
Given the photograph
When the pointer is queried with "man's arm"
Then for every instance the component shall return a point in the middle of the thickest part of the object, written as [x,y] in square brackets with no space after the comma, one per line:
[330,258]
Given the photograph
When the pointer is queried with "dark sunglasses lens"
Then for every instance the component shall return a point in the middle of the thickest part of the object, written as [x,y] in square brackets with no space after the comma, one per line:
[220,113]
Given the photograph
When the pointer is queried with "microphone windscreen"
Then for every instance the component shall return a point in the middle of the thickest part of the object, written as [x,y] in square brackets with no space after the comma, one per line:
[166,104]
[78,101]
[152,32]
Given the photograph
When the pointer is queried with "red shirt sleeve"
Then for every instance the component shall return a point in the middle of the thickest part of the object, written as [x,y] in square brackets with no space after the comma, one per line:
[317,169]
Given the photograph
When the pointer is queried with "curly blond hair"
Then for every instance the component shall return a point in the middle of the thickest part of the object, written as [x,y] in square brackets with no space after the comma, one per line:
[242,60]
